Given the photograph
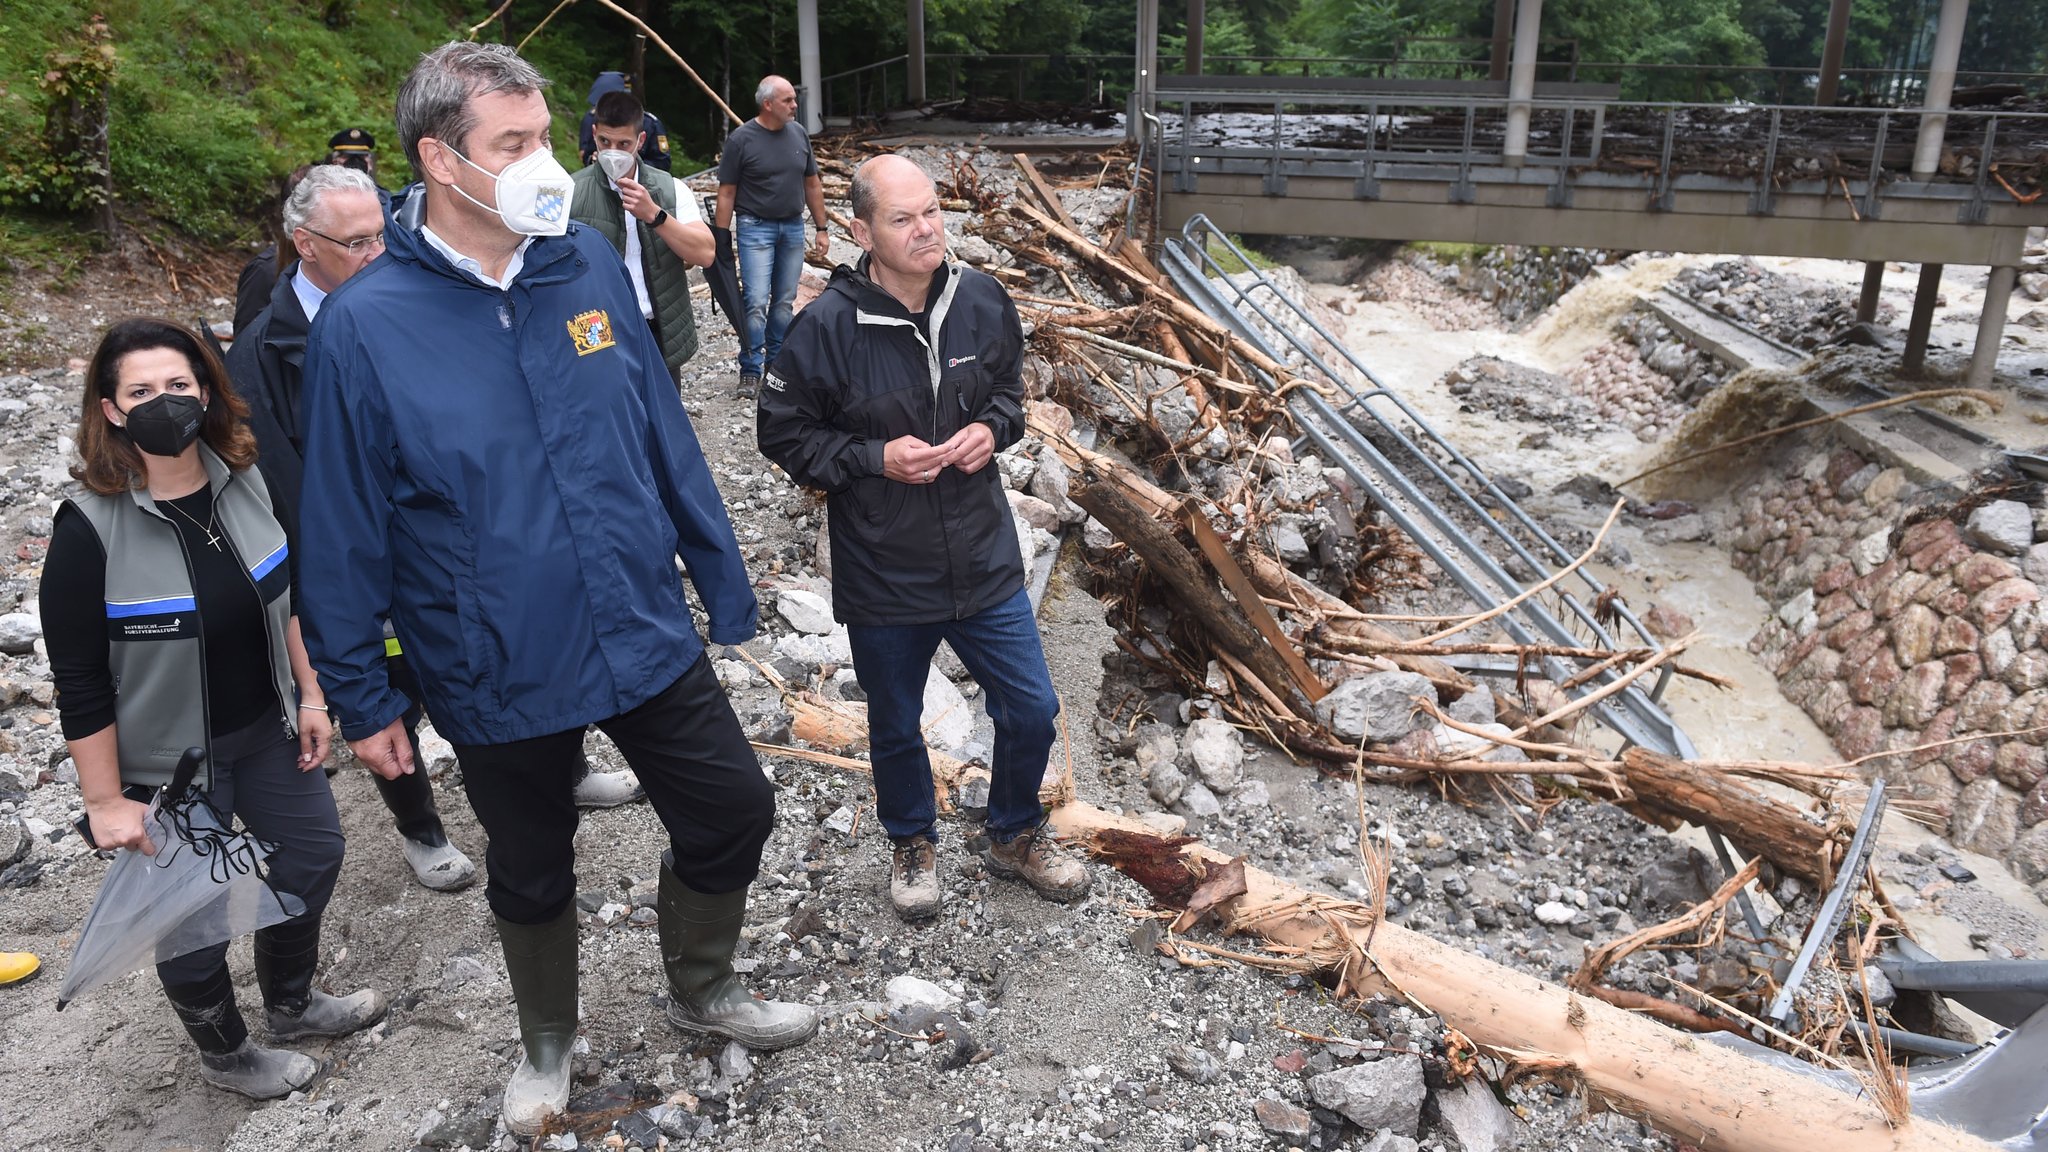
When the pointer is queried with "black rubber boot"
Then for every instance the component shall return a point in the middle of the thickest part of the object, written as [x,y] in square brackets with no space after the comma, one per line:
[227,1057]
[698,935]
[286,955]
[541,960]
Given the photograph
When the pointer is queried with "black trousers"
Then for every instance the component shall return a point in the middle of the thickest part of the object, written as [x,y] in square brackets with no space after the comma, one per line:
[256,778]
[411,797]
[691,755]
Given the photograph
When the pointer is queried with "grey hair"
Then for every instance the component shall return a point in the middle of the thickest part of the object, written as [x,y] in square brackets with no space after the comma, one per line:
[305,200]
[765,90]
[436,96]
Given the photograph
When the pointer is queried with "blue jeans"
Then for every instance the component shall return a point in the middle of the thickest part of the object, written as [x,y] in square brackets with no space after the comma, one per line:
[1001,650]
[771,256]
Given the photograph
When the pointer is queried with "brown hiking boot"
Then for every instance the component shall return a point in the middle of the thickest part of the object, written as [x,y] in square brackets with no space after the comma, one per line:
[1038,860]
[914,879]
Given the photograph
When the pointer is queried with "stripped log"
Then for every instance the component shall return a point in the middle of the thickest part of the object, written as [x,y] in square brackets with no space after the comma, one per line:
[1669,791]
[1711,1097]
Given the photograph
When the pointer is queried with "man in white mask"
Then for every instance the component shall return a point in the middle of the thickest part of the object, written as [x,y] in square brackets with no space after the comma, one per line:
[654,224]
[498,463]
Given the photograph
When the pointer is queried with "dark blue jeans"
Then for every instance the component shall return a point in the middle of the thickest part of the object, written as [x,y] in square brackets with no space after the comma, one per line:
[771,258]
[1000,647]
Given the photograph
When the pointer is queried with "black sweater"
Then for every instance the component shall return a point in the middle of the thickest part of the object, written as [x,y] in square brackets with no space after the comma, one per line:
[239,688]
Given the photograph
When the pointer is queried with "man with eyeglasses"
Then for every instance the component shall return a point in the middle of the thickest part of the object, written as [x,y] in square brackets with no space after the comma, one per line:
[334,221]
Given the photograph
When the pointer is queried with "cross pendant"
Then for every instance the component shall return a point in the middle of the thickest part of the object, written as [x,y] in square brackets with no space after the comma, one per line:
[213,540]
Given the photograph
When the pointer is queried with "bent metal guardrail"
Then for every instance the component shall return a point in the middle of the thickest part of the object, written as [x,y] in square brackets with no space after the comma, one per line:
[1581,139]
[1367,434]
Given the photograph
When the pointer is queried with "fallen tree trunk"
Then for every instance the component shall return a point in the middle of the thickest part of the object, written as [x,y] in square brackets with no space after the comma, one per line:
[1668,791]
[1711,1097]
[1196,592]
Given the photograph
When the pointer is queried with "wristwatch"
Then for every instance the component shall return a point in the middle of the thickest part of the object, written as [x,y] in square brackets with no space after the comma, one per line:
[660,218]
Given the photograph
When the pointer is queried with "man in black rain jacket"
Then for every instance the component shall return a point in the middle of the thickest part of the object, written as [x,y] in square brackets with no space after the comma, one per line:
[892,393]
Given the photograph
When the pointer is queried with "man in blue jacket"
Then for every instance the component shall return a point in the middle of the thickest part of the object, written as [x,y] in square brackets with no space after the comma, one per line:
[498,463]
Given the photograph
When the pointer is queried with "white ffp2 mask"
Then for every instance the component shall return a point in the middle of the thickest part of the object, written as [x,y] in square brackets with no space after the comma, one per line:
[616,164]
[533,193]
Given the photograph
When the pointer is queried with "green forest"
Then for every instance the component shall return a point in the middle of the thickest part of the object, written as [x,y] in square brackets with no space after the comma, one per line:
[206,105]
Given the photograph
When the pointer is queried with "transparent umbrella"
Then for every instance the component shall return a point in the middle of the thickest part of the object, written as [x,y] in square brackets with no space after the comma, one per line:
[205,885]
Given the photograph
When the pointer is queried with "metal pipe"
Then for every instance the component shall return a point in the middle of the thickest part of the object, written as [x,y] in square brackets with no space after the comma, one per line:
[1831,52]
[1522,80]
[1991,326]
[1922,322]
[914,36]
[1503,26]
[1873,284]
[1143,92]
[807,66]
[1941,83]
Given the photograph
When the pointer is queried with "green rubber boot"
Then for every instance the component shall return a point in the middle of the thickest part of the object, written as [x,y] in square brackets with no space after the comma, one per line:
[541,960]
[698,935]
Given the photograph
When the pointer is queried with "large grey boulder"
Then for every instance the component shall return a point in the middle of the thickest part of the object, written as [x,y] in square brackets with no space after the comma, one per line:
[1379,706]
[2003,526]
[1215,750]
[1386,1093]
[1476,1117]
[19,632]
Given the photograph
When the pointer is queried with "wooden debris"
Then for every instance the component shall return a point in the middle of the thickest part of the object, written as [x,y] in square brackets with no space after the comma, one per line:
[1711,1097]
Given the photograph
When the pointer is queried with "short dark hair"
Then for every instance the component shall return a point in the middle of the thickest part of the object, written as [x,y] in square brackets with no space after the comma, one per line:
[109,462]
[619,110]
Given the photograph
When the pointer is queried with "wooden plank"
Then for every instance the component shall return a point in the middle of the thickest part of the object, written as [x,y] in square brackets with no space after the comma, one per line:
[1045,194]
[1249,602]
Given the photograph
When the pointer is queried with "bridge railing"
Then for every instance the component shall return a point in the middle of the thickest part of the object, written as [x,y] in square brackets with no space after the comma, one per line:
[1368,136]
[1105,79]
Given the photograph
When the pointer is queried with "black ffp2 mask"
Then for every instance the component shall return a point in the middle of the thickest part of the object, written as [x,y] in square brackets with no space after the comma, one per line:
[165,425]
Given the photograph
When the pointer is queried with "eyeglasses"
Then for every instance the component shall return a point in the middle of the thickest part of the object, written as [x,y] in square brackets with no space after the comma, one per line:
[355,246]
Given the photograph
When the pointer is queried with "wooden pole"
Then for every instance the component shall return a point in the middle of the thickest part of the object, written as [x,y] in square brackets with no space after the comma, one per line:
[675,56]
[1714,1098]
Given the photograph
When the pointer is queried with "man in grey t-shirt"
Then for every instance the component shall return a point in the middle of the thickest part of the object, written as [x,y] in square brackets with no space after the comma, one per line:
[766,177]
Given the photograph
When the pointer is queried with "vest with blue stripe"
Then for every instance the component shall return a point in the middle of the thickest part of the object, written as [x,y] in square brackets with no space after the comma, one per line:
[155,637]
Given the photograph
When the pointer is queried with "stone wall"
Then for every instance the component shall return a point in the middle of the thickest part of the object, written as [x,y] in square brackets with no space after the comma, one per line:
[1520,282]
[1892,638]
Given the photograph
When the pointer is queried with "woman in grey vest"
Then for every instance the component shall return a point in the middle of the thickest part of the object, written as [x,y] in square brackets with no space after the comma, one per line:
[167,609]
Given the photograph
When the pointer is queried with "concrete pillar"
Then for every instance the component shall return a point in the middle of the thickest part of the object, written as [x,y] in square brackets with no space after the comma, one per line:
[1198,16]
[808,72]
[1831,52]
[1991,326]
[1923,319]
[1941,82]
[1873,283]
[1503,31]
[1522,79]
[1146,59]
[914,67]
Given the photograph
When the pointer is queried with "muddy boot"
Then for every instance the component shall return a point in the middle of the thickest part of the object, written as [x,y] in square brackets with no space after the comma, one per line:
[541,960]
[227,1057]
[1035,858]
[608,790]
[698,935]
[286,955]
[440,866]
